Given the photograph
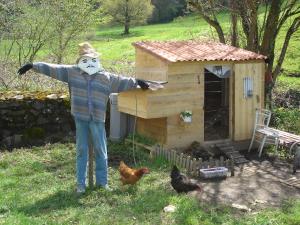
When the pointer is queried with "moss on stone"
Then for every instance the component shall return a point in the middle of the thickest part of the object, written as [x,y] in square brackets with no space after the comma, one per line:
[34,133]
[67,102]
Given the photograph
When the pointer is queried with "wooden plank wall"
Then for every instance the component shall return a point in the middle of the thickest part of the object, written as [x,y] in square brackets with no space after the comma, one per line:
[182,92]
[188,76]
[180,134]
[153,128]
[150,67]
[244,108]
[147,67]
[133,102]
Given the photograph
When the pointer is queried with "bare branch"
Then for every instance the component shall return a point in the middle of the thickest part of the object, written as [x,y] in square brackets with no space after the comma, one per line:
[288,12]
[263,23]
[292,29]
[211,20]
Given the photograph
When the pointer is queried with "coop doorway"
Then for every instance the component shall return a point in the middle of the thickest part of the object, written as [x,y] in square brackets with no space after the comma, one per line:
[216,102]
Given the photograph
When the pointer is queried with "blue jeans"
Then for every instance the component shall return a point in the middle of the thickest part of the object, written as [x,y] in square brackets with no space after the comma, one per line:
[98,135]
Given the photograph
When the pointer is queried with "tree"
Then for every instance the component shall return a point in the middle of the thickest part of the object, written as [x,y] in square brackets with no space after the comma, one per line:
[166,10]
[128,12]
[260,35]
[24,29]
[69,20]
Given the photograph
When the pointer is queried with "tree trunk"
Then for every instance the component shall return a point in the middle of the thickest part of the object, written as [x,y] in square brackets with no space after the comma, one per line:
[269,38]
[219,30]
[126,28]
[248,13]
[59,54]
[59,58]
[234,25]
[126,18]
[211,20]
[292,29]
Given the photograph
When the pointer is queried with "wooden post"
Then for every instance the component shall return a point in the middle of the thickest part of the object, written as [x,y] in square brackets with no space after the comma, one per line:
[194,166]
[188,162]
[178,159]
[184,162]
[181,160]
[173,157]
[91,162]
[169,156]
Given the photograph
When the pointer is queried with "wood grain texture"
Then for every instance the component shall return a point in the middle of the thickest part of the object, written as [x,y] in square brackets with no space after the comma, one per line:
[159,111]
[244,108]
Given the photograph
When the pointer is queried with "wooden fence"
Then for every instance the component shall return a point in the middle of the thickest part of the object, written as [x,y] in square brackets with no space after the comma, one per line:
[191,165]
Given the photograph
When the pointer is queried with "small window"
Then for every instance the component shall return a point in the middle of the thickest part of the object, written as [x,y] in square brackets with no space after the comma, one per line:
[248,87]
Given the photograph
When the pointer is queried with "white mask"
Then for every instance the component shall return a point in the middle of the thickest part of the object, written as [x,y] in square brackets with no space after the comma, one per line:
[89,65]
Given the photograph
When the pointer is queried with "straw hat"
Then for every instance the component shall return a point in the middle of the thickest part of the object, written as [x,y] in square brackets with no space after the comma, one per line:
[86,49]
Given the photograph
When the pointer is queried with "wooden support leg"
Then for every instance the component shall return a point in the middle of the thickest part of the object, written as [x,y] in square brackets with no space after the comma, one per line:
[262,146]
[91,162]
[252,140]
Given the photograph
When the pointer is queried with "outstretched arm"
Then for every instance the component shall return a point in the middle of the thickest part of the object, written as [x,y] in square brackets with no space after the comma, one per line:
[59,72]
[121,83]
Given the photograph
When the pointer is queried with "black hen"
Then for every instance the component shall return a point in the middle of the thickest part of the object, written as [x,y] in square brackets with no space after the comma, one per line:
[182,183]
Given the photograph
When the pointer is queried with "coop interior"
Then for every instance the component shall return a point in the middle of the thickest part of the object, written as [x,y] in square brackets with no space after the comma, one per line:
[216,107]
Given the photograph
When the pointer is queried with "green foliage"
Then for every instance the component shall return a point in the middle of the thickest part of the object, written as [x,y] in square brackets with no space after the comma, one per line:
[142,139]
[28,32]
[128,12]
[286,119]
[39,24]
[34,133]
[167,10]
[69,20]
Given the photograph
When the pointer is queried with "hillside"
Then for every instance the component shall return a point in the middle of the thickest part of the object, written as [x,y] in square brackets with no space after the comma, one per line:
[116,47]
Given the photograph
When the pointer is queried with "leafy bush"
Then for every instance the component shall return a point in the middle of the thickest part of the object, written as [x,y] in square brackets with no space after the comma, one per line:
[286,119]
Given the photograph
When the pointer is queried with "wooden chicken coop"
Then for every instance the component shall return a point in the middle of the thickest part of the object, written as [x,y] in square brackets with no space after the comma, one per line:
[220,85]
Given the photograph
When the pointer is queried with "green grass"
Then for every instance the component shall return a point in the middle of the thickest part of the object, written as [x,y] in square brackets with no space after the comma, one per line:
[37,187]
[118,54]
[116,47]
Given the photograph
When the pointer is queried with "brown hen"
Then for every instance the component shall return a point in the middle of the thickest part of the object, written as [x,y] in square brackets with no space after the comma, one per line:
[129,175]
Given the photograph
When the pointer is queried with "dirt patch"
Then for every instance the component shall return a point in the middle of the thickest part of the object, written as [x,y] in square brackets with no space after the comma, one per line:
[257,184]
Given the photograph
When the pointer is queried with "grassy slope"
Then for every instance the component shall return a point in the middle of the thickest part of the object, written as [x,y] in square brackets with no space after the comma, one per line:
[116,47]
[37,187]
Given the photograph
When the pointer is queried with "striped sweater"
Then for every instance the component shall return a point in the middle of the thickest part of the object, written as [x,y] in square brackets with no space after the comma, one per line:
[89,93]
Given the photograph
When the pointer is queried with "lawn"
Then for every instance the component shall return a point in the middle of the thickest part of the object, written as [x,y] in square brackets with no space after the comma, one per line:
[116,47]
[37,186]
[118,54]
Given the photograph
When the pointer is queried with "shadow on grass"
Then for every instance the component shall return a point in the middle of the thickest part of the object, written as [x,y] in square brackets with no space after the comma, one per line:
[118,34]
[59,200]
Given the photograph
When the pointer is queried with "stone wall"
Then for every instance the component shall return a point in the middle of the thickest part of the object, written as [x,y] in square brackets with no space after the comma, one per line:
[29,118]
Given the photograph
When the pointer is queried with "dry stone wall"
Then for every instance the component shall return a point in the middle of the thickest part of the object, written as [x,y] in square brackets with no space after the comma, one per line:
[34,118]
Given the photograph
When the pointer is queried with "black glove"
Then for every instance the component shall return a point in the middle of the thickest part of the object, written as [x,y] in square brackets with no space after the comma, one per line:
[25,68]
[142,84]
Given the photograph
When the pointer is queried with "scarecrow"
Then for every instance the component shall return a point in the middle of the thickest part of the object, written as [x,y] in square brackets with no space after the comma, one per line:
[90,86]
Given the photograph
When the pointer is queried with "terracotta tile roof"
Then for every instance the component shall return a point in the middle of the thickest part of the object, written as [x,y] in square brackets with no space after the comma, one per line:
[174,51]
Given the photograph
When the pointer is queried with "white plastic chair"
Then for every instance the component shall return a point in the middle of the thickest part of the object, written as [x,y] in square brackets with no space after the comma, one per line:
[262,133]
